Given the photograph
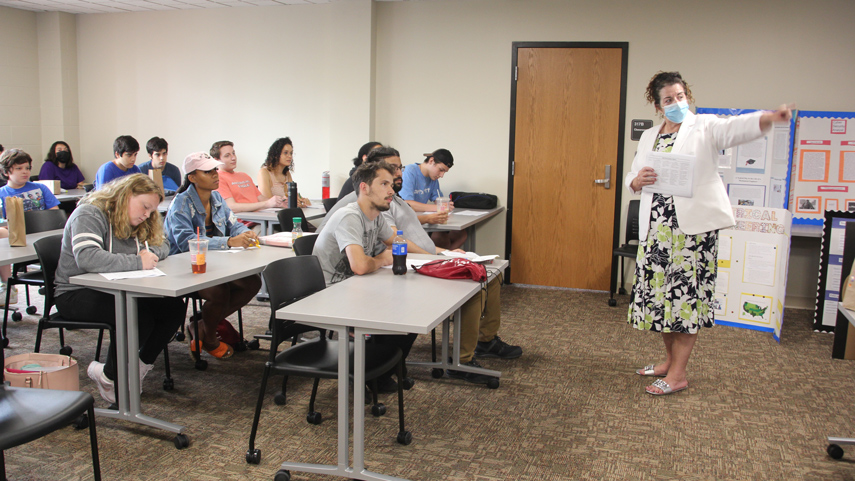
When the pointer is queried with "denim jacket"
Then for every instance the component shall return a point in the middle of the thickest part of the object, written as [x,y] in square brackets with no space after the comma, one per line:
[187,213]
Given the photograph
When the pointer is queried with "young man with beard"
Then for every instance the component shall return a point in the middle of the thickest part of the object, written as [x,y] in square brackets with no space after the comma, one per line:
[356,240]
[478,337]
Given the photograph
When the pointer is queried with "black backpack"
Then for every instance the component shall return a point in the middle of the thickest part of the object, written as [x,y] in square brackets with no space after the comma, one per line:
[474,200]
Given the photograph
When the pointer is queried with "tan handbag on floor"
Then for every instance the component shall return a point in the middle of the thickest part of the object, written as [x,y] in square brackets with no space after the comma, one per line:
[43,371]
[15,218]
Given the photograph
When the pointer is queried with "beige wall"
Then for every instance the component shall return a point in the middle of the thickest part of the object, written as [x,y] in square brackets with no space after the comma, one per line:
[20,119]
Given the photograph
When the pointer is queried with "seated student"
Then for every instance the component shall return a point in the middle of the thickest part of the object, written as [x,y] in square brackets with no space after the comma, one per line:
[198,207]
[347,187]
[117,229]
[125,149]
[237,188]
[59,165]
[478,335]
[421,188]
[17,165]
[276,171]
[356,238]
[158,149]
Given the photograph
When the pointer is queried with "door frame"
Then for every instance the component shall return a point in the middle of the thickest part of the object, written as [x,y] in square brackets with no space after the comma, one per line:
[618,184]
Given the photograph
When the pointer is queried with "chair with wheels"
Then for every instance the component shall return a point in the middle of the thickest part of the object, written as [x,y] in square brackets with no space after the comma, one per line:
[292,279]
[286,220]
[36,221]
[48,251]
[304,245]
[628,250]
[329,203]
[27,414]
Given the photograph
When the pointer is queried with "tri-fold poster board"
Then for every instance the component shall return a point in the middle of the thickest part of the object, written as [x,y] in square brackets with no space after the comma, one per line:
[752,270]
[823,167]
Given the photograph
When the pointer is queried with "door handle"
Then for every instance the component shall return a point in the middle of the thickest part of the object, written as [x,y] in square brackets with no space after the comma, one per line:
[607,181]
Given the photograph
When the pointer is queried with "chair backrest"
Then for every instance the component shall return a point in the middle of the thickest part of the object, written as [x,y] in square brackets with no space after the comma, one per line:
[329,203]
[286,219]
[632,221]
[43,220]
[34,178]
[48,250]
[289,280]
[304,245]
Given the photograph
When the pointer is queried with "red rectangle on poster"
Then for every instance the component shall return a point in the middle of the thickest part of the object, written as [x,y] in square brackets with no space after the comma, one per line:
[832,188]
[850,143]
[815,142]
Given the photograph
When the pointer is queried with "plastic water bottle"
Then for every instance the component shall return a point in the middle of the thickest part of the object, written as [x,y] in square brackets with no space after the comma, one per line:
[325,185]
[399,254]
[297,230]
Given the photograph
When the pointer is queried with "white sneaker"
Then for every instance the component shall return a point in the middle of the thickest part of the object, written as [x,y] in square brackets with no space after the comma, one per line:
[106,387]
[144,369]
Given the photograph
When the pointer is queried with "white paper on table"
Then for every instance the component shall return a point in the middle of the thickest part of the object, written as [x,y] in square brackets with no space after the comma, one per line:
[674,173]
[413,262]
[272,210]
[114,276]
[472,213]
[469,256]
[759,266]
[314,207]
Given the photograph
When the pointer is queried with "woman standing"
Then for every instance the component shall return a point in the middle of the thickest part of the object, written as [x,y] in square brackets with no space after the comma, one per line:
[676,262]
[59,165]
[117,229]
[198,209]
[275,172]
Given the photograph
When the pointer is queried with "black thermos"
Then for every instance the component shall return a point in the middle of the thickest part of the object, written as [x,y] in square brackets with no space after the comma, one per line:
[292,195]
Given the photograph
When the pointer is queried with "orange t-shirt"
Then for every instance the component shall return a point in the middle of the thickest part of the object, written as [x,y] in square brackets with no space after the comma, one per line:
[239,186]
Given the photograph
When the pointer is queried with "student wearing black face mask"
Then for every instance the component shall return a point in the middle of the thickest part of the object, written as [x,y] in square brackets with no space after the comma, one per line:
[59,165]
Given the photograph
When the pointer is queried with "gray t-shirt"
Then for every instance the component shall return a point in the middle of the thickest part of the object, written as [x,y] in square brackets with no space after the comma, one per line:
[348,226]
[400,214]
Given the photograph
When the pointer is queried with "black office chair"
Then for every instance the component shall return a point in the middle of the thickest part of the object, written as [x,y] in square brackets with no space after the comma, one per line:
[628,250]
[329,203]
[48,250]
[34,178]
[27,414]
[290,280]
[304,245]
[36,221]
[286,220]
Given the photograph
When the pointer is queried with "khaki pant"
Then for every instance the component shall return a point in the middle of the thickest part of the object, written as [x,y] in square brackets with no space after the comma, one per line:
[472,327]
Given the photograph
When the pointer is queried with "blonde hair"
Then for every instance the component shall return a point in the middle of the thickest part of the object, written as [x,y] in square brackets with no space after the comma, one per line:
[113,199]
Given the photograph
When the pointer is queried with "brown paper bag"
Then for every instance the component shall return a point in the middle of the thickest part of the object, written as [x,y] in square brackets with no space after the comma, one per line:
[56,371]
[847,294]
[157,176]
[15,217]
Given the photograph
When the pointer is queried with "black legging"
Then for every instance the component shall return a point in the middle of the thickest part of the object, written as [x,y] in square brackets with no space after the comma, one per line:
[159,319]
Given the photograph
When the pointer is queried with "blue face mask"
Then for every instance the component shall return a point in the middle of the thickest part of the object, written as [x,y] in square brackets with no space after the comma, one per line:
[677,112]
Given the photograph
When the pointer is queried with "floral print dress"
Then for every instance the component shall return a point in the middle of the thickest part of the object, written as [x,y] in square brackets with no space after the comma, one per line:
[675,272]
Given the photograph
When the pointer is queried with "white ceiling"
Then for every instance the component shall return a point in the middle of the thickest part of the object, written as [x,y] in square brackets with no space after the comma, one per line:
[116,6]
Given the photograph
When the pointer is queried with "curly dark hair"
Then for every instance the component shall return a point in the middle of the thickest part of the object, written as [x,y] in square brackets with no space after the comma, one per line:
[13,157]
[662,80]
[275,151]
[51,155]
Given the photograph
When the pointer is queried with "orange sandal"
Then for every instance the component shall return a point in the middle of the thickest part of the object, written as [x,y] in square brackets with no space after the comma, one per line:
[223,351]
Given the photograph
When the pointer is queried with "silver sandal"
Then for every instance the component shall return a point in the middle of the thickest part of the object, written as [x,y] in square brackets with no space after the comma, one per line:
[665,387]
[648,371]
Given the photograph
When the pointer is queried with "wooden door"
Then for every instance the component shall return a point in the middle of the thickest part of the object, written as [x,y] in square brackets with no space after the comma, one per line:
[567,128]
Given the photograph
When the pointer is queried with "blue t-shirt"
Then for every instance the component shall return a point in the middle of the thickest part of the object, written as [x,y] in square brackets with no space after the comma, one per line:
[109,171]
[170,174]
[36,196]
[417,187]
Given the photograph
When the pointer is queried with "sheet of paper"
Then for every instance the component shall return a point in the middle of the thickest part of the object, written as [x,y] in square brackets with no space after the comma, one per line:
[472,213]
[751,156]
[113,276]
[469,255]
[759,265]
[814,166]
[674,173]
[848,170]
[270,209]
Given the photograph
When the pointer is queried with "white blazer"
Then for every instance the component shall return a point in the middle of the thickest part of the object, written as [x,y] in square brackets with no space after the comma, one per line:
[702,136]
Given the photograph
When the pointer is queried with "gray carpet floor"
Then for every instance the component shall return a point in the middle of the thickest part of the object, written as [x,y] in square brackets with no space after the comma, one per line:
[570,408]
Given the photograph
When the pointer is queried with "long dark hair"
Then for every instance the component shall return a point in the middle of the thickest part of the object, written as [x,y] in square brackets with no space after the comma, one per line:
[51,155]
[275,151]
